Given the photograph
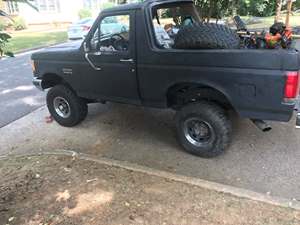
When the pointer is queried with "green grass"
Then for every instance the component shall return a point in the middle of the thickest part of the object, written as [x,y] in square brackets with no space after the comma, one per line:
[266,22]
[23,41]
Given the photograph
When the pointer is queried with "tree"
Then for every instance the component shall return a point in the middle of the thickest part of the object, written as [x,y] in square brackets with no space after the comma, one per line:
[235,6]
[212,8]
[288,13]
[4,37]
[278,10]
[84,13]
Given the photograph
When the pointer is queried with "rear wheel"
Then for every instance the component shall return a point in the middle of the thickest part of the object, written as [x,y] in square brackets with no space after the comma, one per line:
[203,129]
[65,106]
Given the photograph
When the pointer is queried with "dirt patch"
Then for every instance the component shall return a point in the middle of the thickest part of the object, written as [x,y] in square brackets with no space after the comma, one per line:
[65,190]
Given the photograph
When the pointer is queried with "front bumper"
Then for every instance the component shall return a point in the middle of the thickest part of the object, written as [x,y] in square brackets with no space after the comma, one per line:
[38,83]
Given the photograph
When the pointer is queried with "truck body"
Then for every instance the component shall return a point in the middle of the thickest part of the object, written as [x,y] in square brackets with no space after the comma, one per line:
[254,83]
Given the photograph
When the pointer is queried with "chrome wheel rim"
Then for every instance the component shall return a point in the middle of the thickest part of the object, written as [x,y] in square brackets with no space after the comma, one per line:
[62,107]
[198,132]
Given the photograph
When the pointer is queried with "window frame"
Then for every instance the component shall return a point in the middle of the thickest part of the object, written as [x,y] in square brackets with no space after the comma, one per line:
[151,32]
[97,26]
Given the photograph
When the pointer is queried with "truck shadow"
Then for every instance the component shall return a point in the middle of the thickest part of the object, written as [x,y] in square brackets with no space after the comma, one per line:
[144,126]
[255,160]
[133,124]
[123,126]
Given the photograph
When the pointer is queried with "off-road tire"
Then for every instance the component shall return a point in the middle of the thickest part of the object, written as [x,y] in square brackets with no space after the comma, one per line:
[211,114]
[78,107]
[206,36]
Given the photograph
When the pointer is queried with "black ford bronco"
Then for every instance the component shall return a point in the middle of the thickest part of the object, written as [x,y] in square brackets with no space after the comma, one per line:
[159,54]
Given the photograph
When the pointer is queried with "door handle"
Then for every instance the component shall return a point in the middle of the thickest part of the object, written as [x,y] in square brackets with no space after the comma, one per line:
[127,60]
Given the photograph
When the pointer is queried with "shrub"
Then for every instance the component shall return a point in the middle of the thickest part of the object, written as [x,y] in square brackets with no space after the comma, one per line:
[3,24]
[4,38]
[19,23]
[56,24]
[84,13]
[107,5]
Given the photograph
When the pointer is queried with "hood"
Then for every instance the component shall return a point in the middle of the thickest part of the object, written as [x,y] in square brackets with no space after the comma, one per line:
[58,52]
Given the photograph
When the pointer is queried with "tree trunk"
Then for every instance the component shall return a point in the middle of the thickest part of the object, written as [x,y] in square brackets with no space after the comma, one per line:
[235,5]
[211,5]
[288,13]
[278,10]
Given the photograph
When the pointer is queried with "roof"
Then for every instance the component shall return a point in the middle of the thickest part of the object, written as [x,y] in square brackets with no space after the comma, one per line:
[139,5]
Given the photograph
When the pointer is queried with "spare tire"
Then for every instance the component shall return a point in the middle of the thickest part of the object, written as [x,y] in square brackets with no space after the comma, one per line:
[206,36]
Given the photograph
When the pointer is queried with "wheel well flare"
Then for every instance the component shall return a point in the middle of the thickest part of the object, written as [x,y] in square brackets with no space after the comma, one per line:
[184,93]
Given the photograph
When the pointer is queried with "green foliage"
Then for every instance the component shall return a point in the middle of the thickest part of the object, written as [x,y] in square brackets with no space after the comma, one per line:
[28,40]
[19,23]
[296,5]
[106,5]
[221,8]
[84,13]
[259,7]
[2,24]
[4,38]
[4,20]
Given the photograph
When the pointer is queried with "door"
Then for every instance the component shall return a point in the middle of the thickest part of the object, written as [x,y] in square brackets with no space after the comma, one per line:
[110,68]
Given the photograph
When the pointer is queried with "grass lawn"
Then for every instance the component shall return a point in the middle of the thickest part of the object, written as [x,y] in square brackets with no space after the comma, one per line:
[22,41]
[266,22]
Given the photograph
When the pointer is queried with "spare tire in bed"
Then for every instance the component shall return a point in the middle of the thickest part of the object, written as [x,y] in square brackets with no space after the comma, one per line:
[206,36]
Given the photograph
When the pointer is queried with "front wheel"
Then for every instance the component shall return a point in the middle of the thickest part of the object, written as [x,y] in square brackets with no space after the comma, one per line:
[203,129]
[65,106]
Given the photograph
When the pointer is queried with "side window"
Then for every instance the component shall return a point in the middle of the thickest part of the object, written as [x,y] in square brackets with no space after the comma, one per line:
[112,34]
[168,19]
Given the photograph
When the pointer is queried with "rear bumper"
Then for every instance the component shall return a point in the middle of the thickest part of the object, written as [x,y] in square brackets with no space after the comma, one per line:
[38,83]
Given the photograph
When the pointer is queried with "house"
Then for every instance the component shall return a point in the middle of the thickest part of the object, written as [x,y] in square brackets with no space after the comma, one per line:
[2,5]
[54,11]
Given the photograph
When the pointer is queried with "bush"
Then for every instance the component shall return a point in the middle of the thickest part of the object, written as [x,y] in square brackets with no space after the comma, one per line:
[19,23]
[107,5]
[84,13]
[56,24]
[3,24]
[4,38]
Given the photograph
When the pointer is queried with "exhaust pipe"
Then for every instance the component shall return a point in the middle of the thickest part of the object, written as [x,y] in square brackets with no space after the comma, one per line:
[262,125]
[298,120]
